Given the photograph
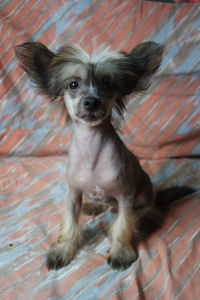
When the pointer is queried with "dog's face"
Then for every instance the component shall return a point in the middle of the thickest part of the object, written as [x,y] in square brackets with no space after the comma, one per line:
[90,94]
[93,87]
[90,85]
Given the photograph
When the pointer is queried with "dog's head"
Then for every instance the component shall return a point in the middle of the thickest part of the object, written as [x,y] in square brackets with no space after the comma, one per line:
[91,85]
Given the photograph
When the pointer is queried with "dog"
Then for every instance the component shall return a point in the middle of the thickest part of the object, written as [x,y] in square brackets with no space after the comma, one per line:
[100,165]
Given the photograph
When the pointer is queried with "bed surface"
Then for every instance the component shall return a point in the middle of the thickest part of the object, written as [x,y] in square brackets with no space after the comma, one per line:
[162,127]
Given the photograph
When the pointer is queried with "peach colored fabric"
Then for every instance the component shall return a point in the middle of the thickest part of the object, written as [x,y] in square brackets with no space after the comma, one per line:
[162,128]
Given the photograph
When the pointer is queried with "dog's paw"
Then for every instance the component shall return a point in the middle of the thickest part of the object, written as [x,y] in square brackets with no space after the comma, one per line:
[59,256]
[122,258]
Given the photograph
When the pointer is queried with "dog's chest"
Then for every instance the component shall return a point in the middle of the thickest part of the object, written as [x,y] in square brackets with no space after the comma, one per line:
[97,183]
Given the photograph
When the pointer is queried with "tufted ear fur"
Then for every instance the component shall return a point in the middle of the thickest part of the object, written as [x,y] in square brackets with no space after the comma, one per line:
[146,58]
[135,70]
[36,60]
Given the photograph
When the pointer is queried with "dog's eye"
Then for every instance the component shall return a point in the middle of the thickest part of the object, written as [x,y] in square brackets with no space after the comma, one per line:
[106,84]
[74,85]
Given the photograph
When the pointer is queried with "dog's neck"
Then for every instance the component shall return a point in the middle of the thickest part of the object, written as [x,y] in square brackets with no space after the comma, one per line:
[89,142]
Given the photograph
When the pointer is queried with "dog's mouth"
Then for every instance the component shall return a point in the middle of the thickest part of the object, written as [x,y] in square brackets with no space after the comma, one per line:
[92,116]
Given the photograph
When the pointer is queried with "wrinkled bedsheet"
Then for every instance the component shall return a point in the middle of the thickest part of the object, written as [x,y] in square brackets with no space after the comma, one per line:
[162,127]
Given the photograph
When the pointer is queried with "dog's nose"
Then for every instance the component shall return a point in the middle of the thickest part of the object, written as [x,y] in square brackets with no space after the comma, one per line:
[91,103]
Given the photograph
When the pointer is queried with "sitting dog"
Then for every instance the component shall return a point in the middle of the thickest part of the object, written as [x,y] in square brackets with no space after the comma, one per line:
[92,86]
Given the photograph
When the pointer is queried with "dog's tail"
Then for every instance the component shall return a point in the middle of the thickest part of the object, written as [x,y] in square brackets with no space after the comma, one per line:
[168,195]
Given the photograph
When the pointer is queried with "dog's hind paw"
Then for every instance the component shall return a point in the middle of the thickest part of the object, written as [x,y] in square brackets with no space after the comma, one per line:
[122,258]
[94,208]
[59,256]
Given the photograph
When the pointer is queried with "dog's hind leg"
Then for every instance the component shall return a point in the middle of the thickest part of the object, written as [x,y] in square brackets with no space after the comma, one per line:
[63,251]
[94,208]
[98,206]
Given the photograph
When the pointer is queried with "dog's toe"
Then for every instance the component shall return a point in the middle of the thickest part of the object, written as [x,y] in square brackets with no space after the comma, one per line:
[122,258]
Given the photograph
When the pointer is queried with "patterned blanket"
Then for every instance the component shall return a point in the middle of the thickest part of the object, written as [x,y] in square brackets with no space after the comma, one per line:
[162,127]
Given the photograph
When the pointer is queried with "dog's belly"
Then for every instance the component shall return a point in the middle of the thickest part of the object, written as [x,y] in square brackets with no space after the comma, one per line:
[98,190]
[97,194]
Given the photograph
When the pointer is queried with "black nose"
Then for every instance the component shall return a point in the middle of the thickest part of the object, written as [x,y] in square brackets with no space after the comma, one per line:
[91,103]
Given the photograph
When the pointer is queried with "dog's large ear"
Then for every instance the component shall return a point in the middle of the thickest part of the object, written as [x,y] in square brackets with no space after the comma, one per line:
[135,71]
[146,58]
[36,59]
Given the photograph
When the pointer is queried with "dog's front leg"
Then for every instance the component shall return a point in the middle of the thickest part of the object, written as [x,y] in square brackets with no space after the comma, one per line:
[122,254]
[63,251]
